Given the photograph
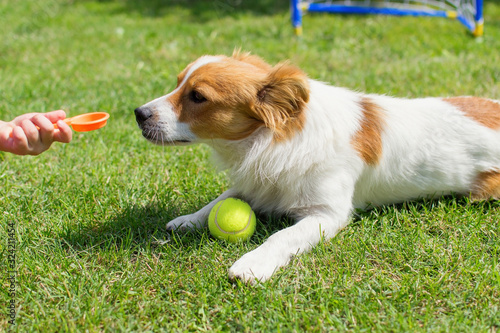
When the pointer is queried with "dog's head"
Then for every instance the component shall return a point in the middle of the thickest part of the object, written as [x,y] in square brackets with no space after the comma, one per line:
[229,98]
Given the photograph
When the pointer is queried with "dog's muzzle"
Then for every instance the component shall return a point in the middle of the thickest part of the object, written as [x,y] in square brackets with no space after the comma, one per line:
[142,114]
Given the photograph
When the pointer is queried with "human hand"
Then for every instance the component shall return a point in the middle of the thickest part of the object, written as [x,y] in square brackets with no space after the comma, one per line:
[22,137]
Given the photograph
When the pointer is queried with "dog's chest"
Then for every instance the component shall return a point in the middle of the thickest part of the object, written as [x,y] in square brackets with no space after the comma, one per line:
[285,194]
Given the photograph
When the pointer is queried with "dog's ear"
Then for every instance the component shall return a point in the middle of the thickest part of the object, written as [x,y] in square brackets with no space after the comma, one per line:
[282,99]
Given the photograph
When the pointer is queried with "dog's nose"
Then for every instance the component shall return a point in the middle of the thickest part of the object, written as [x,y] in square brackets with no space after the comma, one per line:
[142,114]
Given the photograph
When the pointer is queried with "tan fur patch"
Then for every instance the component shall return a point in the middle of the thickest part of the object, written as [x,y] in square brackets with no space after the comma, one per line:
[487,186]
[282,100]
[228,87]
[251,59]
[242,94]
[484,111]
[183,74]
[176,100]
[368,139]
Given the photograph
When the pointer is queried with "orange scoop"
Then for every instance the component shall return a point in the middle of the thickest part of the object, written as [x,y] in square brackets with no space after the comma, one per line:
[85,122]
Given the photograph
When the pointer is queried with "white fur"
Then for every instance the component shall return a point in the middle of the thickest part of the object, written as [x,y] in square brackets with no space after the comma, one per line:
[430,148]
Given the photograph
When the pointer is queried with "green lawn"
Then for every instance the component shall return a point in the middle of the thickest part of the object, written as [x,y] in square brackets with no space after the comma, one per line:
[92,253]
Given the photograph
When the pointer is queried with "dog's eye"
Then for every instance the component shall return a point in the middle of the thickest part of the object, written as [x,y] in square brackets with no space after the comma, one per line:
[196,97]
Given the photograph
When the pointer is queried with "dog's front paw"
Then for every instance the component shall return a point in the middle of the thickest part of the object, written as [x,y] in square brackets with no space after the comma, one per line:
[257,265]
[186,222]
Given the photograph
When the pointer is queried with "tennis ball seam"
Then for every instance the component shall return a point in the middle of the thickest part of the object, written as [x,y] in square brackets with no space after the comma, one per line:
[231,232]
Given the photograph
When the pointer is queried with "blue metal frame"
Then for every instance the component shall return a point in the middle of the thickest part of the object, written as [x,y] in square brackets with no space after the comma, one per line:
[296,13]
[478,29]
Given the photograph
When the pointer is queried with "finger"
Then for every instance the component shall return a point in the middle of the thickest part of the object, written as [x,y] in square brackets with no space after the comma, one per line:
[46,131]
[64,134]
[30,130]
[18,120]
[33,136]
[18,144]
[54,116]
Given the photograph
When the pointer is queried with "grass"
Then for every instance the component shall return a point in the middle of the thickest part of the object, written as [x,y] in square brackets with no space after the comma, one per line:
[92,251]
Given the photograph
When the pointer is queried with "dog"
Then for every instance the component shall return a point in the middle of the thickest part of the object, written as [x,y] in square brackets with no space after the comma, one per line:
[298,147]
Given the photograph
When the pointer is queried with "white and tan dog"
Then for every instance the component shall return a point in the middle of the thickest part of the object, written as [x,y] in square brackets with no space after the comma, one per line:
[300,147]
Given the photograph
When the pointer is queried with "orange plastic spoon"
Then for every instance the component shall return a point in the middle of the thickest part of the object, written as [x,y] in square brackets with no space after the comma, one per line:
[85,122]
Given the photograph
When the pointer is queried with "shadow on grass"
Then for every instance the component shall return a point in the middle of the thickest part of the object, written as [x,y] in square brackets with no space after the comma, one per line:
[202,10]
[422,207]
[144,227]
[135,226]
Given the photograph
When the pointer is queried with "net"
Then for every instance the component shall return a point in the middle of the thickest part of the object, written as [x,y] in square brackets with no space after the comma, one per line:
[467,12]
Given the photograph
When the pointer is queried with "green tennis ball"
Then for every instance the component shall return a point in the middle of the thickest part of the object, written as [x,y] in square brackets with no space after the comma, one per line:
[232,220]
